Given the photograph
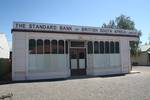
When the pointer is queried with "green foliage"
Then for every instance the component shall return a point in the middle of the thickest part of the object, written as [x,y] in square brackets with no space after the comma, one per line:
[135,50]
[125,22]
[111,24]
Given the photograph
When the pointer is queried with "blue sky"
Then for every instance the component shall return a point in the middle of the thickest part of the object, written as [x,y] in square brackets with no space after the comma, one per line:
[78,12]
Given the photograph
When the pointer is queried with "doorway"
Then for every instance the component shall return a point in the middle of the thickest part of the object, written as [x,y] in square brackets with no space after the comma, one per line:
[78,61]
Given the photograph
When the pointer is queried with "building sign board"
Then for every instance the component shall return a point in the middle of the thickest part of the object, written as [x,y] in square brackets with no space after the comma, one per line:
[70,28]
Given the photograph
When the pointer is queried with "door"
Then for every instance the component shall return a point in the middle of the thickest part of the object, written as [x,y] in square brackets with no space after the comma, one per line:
[78,61]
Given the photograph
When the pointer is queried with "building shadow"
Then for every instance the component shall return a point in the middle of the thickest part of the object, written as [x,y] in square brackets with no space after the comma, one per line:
[4,82]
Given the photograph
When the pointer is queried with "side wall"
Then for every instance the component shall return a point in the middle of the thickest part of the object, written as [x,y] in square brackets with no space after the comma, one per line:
[19,57]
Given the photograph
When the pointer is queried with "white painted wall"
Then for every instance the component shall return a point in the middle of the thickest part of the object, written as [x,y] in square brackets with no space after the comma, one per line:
[125,55]
[47,66]
[104,64]
[4,46]
[97,64]
[19,57]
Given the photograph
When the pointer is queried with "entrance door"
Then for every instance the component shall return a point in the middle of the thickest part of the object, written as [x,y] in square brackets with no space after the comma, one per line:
[78,61]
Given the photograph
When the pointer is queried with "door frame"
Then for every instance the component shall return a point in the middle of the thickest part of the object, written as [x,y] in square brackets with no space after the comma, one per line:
[78,69]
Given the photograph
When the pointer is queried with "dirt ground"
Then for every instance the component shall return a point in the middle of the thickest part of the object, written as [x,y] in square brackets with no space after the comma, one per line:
[135,86]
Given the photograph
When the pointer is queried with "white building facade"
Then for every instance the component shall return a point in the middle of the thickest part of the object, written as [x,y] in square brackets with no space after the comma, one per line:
[4,46]
[48,51]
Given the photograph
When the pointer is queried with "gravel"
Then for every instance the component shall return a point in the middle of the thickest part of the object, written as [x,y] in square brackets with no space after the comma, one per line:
[135,86]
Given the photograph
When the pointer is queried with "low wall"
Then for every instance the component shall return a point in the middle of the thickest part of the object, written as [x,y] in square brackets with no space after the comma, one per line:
[5,69]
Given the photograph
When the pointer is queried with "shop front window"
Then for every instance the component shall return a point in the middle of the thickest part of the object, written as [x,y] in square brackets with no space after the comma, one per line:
[54,46]
[61,47]
[32,46]
[101,47]
[90,47]
[106,47]
[39,46]
[112,48]
[117,47]
[96,47]
[46,46]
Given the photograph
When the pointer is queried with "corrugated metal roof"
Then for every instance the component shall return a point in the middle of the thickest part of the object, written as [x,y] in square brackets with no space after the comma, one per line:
[144,47]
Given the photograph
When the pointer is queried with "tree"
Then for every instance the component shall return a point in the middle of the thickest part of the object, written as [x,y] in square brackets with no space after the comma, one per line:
[125,22]
[111,24]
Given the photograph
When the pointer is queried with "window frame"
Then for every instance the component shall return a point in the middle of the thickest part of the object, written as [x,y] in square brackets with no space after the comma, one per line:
[107,48]
[117,50]
[60,49]
[31,49]
[102,50]
[54,49]
[90,47]
[112,47]
[49,51]
[96,47]
[38,48]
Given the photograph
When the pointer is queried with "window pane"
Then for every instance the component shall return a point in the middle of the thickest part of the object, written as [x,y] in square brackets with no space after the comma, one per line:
[90,47]
[66,47]
[47,46]
[96,47]
[39,46]
[61,47]
[101,47]
[32,46]
[106,47]
[112,47]
[77,44]
[117,47]
[81,55]
[54,46]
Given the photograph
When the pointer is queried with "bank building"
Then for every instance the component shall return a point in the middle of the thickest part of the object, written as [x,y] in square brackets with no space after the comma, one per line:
[50,51]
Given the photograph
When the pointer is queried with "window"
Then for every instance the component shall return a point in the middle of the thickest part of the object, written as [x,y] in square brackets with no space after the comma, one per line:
[54,46]
[106,47]
[46,46]
[96,47]
[32,46]
[61,47]
[39,46]
[77,44]
[101,47]
[90,47]
[112,47]
[66,45]
[117,47]
[81,55]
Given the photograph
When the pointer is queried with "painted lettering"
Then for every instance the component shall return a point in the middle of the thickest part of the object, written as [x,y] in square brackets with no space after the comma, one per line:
[65,28]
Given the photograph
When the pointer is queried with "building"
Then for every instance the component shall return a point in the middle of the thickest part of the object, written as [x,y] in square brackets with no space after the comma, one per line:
[47,51]
[4,47]
[144,57]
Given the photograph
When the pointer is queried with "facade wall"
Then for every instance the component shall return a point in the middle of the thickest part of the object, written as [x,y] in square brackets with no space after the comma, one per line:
[97,64]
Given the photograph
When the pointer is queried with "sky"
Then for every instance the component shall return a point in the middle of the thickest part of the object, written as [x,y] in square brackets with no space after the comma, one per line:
[75,12]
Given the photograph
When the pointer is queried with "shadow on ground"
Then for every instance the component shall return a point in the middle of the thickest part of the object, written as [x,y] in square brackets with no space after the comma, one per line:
[3,82]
